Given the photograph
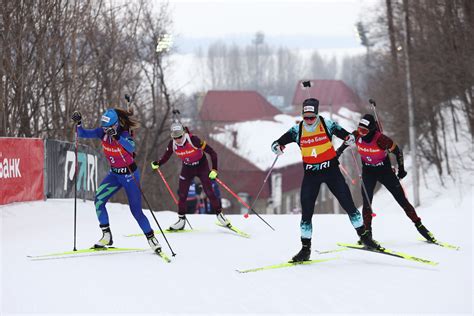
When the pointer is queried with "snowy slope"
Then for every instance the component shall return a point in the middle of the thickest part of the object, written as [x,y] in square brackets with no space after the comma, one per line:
[202,277]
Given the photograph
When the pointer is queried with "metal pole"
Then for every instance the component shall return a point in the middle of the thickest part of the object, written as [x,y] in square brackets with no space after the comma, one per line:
[246,215]
[171,192]
[241,201]
[75,187]
[144,197]
[411,109]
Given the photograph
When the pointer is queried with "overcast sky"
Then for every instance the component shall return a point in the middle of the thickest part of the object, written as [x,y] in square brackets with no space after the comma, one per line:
[303,24]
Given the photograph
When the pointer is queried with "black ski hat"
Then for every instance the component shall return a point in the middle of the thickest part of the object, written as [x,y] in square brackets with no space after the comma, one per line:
[368,121]
[310,105]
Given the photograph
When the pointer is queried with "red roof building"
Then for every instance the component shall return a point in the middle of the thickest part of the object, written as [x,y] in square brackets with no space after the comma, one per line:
[328,92]
[235,106]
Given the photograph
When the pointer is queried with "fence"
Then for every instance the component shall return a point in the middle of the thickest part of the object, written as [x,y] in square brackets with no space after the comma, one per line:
[33,169]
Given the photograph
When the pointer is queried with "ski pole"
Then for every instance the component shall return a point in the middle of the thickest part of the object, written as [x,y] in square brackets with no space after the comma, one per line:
[171,192]
[353,181]
[362,183]
[167,186]
[372,102]
[75,187]
[400,180]
[261,188]
[144,197]
[241,201]
[129,101]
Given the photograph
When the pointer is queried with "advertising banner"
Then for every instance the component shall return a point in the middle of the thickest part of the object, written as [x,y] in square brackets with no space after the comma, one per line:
[61,165]
[21,169]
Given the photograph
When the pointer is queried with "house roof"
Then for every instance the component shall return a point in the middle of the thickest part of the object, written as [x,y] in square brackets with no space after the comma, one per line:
[328,92]
[236,106]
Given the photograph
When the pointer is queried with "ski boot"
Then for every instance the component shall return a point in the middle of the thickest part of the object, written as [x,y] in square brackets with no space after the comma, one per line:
[425,232]
[153,242]
[179,225]
[367,240]
[305,251]
[360,242]
[223,220]
[106,239]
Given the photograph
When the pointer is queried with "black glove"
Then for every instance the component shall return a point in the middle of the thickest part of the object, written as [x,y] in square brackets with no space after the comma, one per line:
[401,173]
[76,117]
[111,132]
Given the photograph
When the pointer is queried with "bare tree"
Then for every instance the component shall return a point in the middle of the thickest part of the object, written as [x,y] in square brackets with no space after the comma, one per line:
[442,70]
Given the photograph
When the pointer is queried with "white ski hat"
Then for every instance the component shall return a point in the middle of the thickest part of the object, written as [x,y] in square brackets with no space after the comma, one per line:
[177,130]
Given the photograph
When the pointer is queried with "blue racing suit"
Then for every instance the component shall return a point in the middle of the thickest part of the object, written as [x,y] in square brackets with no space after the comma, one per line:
[119,152]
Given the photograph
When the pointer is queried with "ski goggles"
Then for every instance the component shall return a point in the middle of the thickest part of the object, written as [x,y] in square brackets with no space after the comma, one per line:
[114,127]
[309,118]
[362,130]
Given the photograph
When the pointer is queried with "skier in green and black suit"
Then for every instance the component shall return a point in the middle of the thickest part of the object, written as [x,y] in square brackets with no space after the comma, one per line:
[313,135]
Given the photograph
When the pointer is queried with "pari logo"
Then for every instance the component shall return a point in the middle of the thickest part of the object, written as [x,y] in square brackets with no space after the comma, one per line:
[86,172]
[9,167]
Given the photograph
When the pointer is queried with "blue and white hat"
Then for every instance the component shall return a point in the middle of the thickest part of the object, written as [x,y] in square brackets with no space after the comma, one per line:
[109,118]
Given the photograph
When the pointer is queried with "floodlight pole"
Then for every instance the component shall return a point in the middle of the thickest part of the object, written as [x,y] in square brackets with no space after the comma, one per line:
[411,109]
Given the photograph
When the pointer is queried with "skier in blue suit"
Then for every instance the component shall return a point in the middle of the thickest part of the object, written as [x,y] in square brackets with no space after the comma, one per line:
[119,148]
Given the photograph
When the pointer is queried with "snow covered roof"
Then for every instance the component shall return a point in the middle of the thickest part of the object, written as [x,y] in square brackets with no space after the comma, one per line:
[251,140]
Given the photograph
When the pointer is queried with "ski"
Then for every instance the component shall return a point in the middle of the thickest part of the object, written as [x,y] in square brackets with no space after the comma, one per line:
[286,265]
[234,229]
[389,252]
[85,252]
[167,231]
[442,244]
[163,256]
[331,250]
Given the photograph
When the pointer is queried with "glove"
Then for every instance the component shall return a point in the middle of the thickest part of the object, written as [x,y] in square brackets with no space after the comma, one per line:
[76,117]
[349,140]
[111,131]
[213,174]
[401,173]
[155,165]
[277,148]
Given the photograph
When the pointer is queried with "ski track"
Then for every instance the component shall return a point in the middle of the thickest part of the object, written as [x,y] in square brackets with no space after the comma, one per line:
[202,277]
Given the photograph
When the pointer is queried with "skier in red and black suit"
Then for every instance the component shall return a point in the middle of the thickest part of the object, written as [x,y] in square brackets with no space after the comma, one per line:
[191,149]
[373,148]
[313,135]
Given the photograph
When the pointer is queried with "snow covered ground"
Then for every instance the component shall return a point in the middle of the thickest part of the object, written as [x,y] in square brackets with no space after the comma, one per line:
[202,277]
